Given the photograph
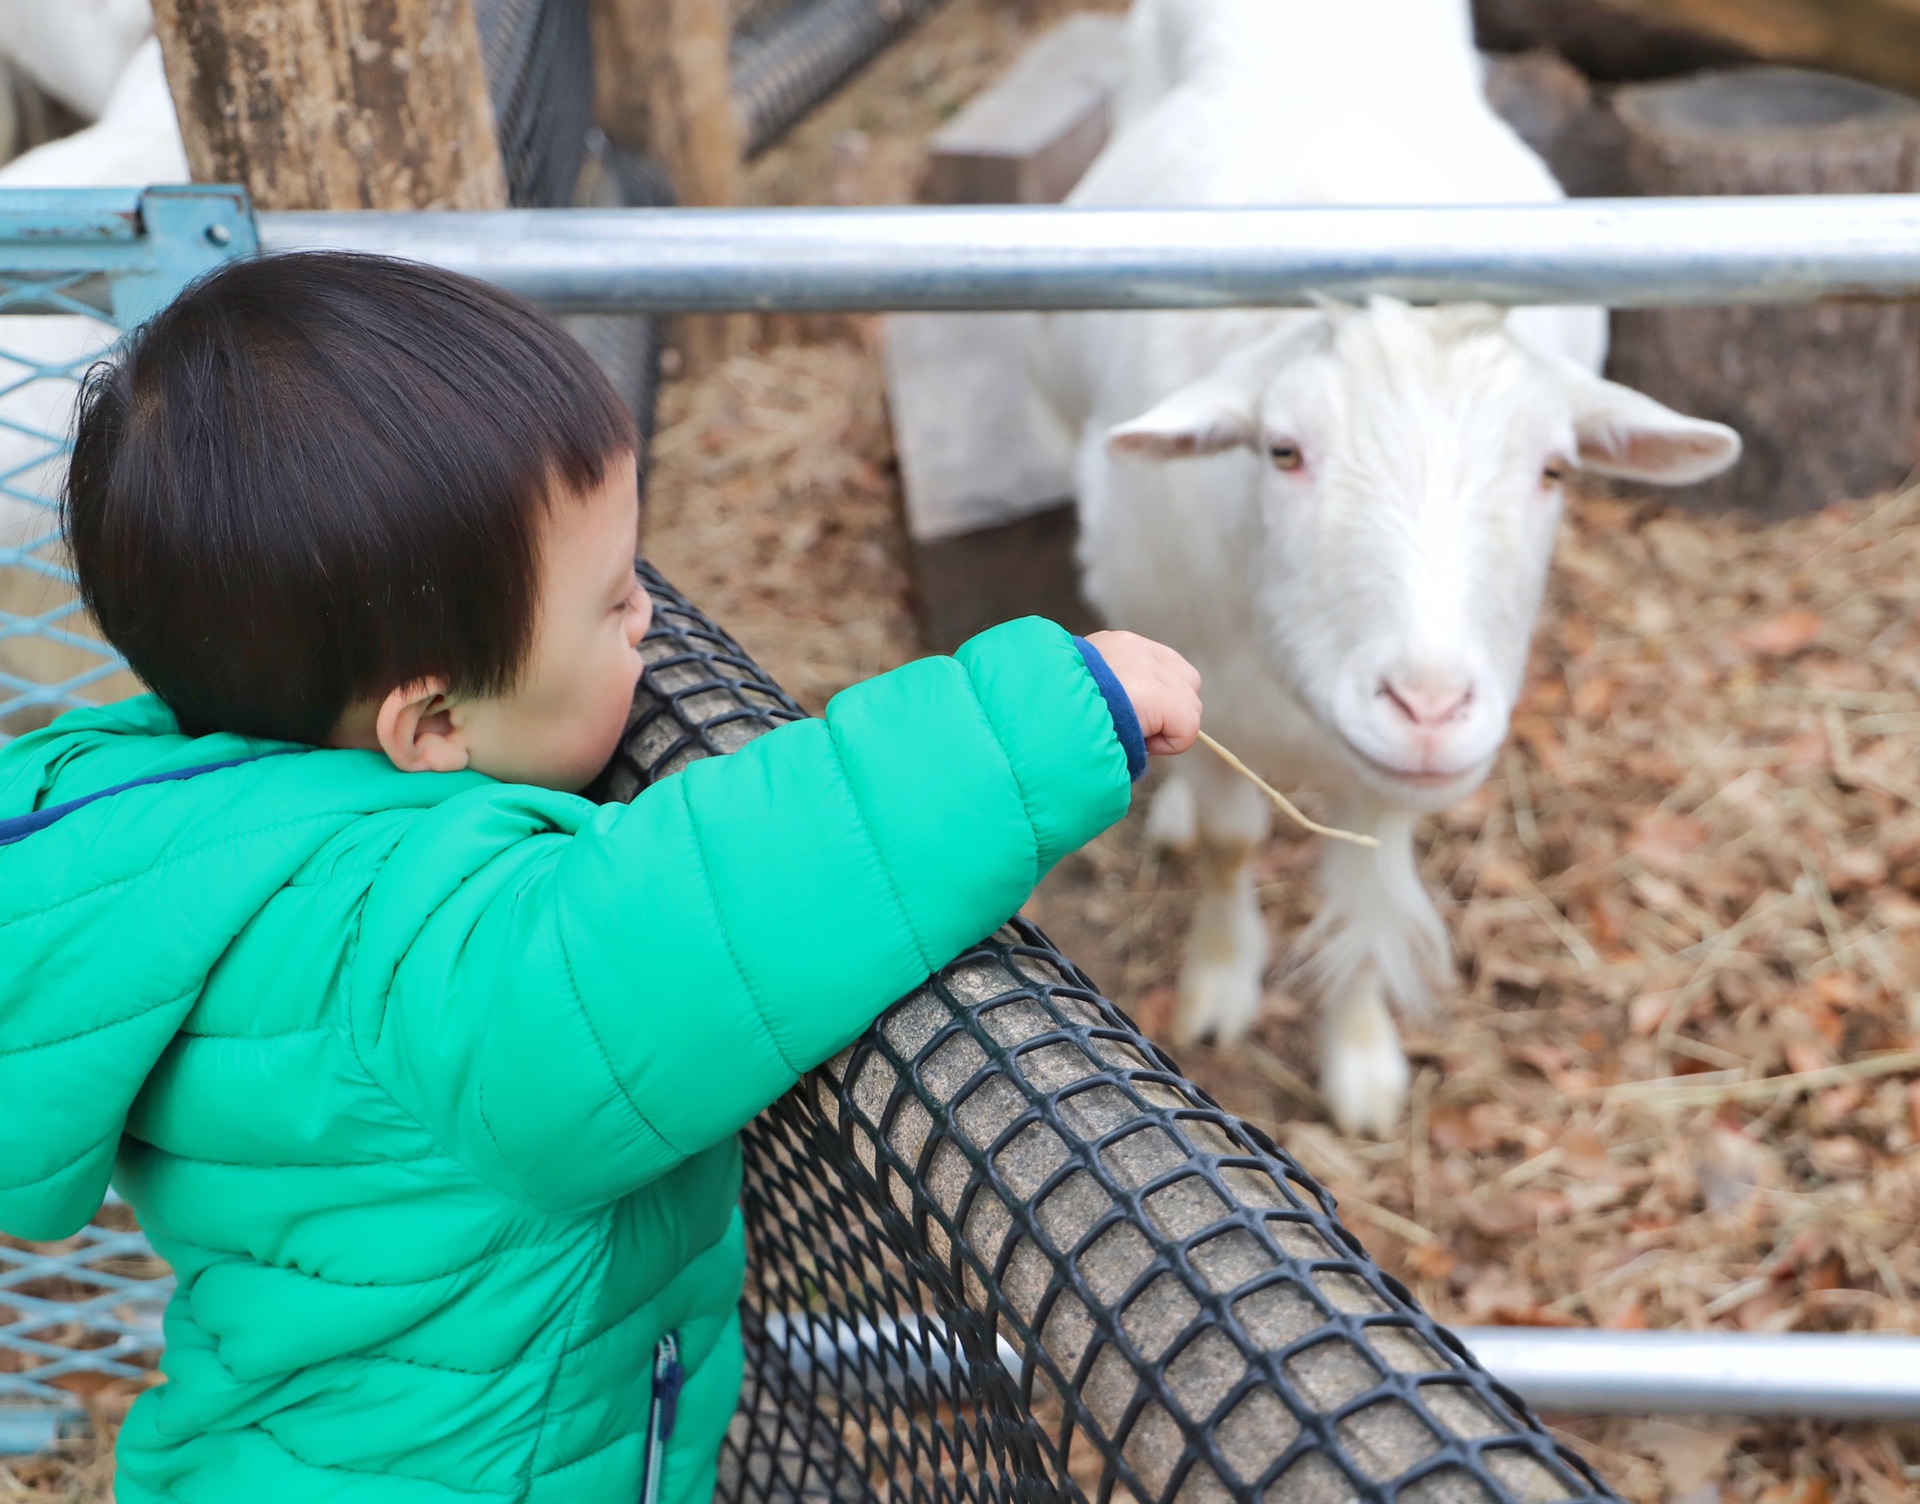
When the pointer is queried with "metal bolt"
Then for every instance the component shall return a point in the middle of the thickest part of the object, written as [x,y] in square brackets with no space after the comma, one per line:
[219,235]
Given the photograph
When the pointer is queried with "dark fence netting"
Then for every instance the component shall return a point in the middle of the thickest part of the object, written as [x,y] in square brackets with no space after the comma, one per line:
[797,55]
[539,60]
[787,56]
[1001,1249]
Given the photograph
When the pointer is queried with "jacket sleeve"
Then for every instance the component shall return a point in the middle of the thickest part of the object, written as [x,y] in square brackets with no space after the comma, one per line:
[573,1013]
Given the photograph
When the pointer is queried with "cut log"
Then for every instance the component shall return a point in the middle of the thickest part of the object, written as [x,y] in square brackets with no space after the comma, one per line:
[335,104]
[662,89]
[1029,137]
[1825,397]
[990,520]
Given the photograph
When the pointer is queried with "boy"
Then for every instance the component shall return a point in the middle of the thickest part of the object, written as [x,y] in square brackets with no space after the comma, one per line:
[423,1072]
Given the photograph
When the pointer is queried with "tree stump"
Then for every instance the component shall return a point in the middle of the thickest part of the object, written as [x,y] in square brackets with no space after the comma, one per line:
[1826,397]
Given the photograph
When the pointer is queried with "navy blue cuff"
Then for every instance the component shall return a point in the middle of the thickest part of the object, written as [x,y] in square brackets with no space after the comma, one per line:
[1126,725]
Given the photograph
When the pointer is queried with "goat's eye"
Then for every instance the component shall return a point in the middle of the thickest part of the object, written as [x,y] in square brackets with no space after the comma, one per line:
[1555,471]
[1285,456]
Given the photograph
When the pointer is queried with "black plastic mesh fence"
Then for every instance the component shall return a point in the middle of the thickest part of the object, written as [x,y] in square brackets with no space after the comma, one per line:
[539,61]
[788,55]
[1002,1250]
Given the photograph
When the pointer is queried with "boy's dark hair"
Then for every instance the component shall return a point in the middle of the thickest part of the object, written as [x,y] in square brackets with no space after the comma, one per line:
[315,477]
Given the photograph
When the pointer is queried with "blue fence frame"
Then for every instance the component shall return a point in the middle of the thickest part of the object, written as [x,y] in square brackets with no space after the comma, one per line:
[77,267]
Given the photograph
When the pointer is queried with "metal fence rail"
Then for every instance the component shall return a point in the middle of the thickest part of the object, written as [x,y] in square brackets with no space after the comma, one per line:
[1624,253]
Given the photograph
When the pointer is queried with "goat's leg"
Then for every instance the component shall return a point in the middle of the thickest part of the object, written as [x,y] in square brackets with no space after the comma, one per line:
[1225,964]
[1173,819]
[1376,939]
[1363,1070]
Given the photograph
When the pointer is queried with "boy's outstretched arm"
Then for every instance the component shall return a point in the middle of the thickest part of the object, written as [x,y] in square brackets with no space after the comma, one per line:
[584,1010]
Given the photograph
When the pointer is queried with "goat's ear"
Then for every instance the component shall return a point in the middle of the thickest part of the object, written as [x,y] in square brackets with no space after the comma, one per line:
[1205,417]
[1627,435]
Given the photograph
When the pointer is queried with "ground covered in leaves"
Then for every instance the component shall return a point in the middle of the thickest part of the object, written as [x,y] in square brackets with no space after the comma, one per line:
[1678,1081]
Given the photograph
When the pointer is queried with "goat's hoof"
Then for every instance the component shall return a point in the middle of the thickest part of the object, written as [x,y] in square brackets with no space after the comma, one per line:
[1173,819]
[1219,1001]
[1365,1087]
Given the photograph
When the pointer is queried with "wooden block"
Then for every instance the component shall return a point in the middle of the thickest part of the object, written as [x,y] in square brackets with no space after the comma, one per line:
[970,458]
[1028,137]
[989,524]
[1023,568]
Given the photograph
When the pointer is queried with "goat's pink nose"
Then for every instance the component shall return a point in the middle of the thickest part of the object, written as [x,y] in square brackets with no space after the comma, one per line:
[1425,703]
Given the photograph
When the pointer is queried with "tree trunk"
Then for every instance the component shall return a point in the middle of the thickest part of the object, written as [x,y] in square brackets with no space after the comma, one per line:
[1826,397]
[662,86]
[335,104]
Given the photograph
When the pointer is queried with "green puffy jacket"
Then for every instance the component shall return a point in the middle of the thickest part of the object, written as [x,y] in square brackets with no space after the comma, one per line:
[427,1085]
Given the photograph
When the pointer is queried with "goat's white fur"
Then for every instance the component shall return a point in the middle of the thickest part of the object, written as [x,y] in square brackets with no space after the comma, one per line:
[76,50]
[1408,553]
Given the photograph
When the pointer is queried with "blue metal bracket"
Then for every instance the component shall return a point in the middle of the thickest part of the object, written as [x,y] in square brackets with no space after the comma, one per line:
[119,253]
[115,257]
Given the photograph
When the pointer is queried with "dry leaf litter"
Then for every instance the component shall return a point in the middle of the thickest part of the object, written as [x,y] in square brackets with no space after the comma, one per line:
[1677,1080]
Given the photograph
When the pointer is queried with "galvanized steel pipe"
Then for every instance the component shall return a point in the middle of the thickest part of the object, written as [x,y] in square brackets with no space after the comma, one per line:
[1845,1377]
[1800,1376]
[1621,252]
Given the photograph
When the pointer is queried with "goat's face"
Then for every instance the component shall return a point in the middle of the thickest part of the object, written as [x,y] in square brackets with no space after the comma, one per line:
[1409,468]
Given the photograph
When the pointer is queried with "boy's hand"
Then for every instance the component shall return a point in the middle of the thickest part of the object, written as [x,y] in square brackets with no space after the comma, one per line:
[1163,686]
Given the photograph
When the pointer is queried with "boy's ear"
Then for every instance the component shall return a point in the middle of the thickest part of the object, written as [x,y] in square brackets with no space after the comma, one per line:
[415,728]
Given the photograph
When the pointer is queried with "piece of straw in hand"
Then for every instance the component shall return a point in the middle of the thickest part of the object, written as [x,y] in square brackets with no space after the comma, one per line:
[1287,806]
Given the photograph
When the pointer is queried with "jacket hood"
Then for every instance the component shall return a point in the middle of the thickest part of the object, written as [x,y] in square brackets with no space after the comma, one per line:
[112,918]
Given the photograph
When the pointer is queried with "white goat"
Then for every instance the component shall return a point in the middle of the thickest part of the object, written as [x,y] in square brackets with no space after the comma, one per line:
[1352,540]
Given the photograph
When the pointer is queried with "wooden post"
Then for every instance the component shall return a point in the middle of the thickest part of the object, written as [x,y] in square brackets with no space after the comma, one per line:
[335,104]
[662,86]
